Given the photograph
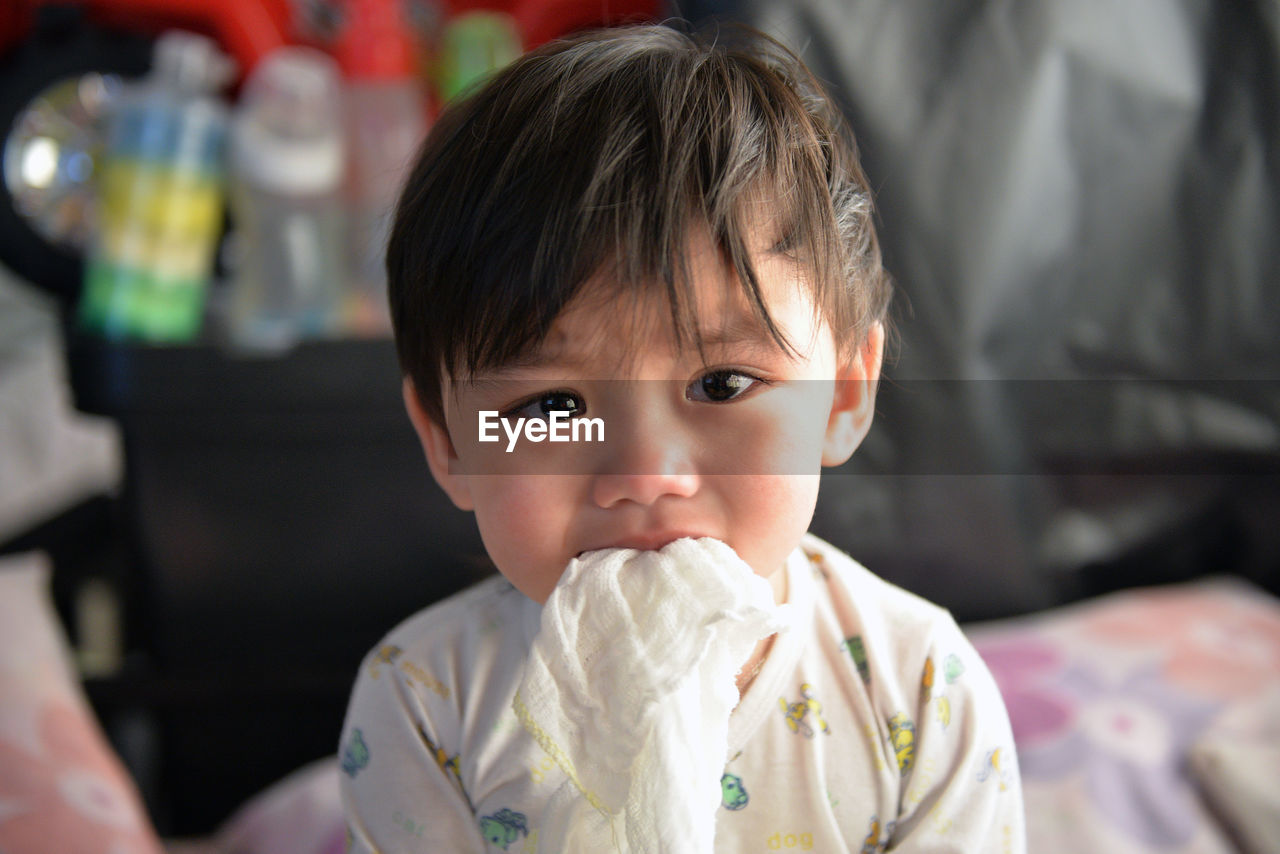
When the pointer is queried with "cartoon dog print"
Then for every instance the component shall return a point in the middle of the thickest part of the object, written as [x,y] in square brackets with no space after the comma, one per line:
[504,827]
[733,795]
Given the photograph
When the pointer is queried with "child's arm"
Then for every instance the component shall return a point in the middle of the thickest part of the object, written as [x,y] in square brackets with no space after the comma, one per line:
[962,791]
[400,791]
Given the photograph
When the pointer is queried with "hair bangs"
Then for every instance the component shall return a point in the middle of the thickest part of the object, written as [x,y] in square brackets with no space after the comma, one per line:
[597,159]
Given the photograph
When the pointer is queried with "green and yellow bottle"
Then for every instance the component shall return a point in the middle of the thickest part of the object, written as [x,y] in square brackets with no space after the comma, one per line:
[160,198]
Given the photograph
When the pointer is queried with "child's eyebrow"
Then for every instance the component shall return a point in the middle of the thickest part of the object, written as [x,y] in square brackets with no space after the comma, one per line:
[534,359]
[742,329]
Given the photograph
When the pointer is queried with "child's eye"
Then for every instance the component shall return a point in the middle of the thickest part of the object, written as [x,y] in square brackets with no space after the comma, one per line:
[543,404]
[720,386]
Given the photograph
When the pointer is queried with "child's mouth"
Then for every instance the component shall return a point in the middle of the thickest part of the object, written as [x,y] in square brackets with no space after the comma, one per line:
[644,542]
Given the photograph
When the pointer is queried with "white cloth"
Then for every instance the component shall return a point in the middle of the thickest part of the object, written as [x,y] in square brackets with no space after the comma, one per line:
[629,687]
[872,723]
[51,455]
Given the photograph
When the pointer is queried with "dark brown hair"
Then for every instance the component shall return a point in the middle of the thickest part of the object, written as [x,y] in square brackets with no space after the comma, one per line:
[604,150]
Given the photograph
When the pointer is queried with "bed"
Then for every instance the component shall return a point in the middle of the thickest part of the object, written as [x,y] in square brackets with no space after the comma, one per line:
[1147,721]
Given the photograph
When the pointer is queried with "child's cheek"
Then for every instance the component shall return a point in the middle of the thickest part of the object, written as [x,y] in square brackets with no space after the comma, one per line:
[770,514]
[522,520]
[780,432]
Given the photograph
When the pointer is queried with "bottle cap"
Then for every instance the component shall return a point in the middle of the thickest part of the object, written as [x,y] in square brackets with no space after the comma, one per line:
[287,134]
[191,63]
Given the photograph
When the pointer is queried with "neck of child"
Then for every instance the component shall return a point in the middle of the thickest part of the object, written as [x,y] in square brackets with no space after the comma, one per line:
[747,675]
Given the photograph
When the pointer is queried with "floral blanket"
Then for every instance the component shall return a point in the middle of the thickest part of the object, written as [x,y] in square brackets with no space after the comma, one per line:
[1147,720]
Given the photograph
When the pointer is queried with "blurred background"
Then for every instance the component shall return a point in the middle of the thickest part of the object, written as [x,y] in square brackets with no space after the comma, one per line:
[200,418]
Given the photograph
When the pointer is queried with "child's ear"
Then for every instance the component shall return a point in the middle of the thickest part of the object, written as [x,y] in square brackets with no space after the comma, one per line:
[855,399]
[438,447]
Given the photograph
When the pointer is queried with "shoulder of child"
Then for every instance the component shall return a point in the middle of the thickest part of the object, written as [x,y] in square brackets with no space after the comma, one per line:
[886,627]
[461,612]
[875,599]
[457,638]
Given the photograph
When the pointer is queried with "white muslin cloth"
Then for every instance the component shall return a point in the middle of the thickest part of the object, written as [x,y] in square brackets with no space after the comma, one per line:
[629,686]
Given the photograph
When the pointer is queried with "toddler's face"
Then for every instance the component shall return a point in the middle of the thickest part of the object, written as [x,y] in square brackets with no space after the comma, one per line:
[729,448]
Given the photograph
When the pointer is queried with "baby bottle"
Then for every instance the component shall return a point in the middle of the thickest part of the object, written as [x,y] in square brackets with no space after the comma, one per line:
[160,197]
[286,167]
[386,115]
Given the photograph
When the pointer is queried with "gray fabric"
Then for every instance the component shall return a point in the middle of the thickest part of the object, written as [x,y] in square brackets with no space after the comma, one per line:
[1080,203]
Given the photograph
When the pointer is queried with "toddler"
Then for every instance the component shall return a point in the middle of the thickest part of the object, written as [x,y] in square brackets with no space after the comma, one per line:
[668,243]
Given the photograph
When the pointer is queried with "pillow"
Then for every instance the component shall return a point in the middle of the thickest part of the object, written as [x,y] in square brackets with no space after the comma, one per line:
[301,814]
[1144,720]
[61,786]
[1237,764]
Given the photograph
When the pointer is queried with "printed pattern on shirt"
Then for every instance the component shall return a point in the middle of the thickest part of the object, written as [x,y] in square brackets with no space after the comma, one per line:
[450,765]
[858,652]
[355,756]
[733,795]
[805,714]
[878,836]
[504,827]
[902,734]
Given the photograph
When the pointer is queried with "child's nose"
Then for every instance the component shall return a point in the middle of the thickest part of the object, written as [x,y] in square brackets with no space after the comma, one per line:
[613,489]
[649,461]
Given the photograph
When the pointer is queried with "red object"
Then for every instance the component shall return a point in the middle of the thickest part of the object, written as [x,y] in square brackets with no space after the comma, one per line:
[246,29]
[541,21]
[375,43]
